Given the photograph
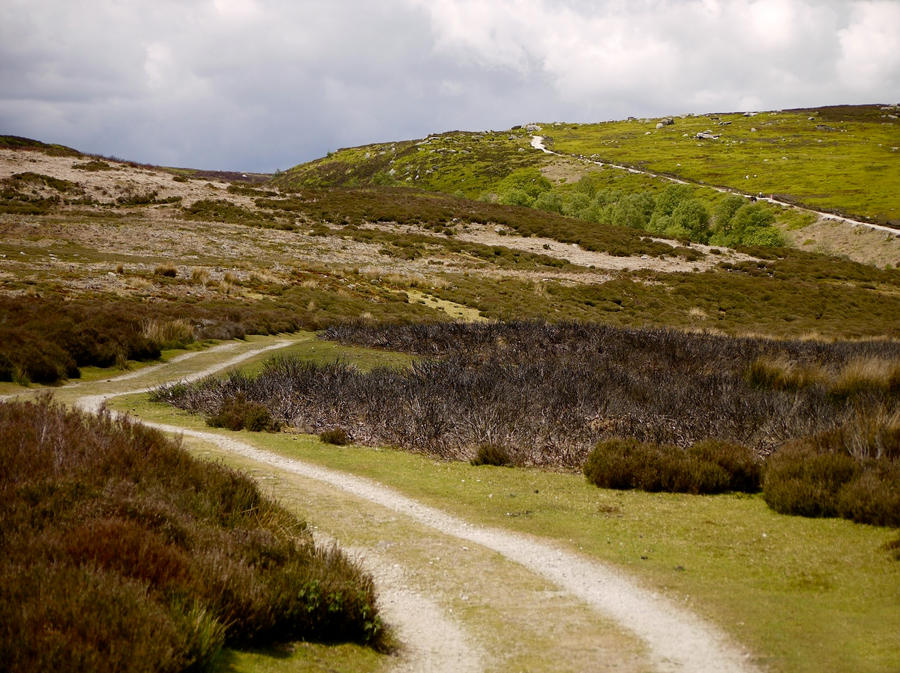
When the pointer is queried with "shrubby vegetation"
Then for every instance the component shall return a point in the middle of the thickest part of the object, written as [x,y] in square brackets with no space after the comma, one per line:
[674,211]
[634,408]
[705,467]
[549,393]
[47,339]
[120,552]
[441,213]
[852,471]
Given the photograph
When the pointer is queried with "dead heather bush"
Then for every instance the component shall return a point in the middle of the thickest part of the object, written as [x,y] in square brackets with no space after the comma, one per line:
[552,391]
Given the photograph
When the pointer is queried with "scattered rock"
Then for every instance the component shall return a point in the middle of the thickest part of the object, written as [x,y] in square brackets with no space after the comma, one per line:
[668,121]
[532,127]
[707,135]
[825,127]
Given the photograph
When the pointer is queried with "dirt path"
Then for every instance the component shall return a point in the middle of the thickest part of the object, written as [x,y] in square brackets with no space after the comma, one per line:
[537,142]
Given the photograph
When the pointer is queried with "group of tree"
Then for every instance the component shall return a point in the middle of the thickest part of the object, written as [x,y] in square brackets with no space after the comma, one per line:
[675,212]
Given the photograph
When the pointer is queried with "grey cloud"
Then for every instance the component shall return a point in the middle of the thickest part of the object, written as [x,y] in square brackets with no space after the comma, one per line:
[264,84]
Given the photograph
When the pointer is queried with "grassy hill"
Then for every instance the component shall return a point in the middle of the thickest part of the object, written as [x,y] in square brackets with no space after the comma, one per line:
[840,159]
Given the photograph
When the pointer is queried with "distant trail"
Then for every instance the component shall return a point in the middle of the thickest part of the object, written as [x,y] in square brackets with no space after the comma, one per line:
[537,142]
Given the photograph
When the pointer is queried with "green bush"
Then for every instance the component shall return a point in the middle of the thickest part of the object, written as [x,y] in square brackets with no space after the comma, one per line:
[799,480]
[691,217]
[336,436]
[123,553]
[818,476]
[238,413]
[707,467]
[492,454]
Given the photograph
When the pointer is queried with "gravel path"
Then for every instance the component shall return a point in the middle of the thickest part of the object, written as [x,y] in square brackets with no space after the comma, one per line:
[677,640]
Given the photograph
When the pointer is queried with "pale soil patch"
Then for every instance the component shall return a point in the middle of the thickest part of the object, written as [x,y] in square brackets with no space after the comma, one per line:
[861,244]
[575,254]
[107,185]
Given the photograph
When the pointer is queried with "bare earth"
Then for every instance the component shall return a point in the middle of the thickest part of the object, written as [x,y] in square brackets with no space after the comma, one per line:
[675,639]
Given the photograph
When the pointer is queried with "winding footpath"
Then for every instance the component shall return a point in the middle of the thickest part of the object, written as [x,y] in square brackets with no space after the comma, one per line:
[537,142]
[675,639]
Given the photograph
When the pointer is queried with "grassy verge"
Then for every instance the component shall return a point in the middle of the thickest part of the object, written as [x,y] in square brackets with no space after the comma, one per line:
[804,594]
[302,658]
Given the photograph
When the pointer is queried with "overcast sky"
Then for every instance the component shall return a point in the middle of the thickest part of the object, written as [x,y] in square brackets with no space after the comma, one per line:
[265,84]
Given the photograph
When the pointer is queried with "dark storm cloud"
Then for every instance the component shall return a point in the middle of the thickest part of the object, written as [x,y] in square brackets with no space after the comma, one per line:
[263,84]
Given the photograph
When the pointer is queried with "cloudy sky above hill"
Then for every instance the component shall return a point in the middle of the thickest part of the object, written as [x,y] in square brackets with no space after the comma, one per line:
[265,84]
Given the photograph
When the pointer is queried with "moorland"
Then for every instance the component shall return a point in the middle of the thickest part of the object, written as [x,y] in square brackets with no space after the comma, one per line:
[673,364]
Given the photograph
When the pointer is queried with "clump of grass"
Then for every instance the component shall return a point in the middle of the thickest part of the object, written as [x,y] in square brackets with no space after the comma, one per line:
[492,454]
[176,333]
[781,373]
[336,436]
[121,552]
[199,276]
[867,374]
[237,413]
[92,166]
[707,467]
[166,271]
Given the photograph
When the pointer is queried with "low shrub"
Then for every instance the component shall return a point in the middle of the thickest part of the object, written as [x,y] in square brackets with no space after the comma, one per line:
[707,467]
[238,413]
[851,472]
[123,553]
[801,481]
[741,463]
[336,436]
[492,454]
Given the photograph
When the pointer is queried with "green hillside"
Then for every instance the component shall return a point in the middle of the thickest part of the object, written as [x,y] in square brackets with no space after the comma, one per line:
[842,160]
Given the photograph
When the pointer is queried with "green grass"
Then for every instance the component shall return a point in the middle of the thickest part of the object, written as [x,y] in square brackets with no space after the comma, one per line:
[851,169]
[804,594]
[302,658]
[310,347]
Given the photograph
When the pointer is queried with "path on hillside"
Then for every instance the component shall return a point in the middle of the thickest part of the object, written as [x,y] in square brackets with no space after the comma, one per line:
[537,142]
[676,640]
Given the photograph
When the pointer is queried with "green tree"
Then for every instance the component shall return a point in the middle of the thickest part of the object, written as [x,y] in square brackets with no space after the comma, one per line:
[725,210]
[667,201]
[528,180]
[549,201]
[691,216]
